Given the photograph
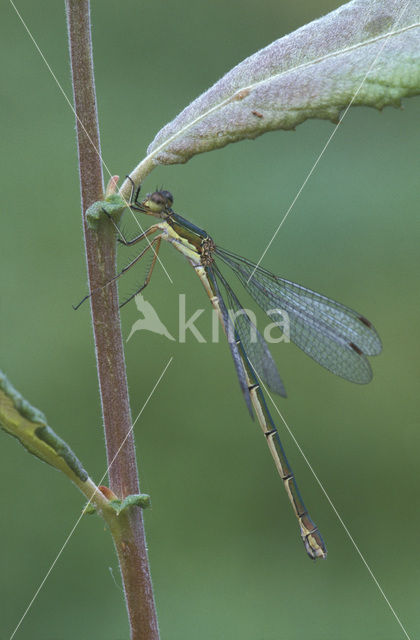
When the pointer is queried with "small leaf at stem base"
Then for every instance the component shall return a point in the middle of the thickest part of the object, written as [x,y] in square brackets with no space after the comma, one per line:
[114,205]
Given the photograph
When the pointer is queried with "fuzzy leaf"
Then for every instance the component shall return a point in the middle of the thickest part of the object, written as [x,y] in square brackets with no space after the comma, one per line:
[312,73]
[141,500]
[114,204]
[133,500]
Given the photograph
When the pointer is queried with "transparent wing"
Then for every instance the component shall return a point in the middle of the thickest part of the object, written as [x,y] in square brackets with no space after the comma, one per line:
[230,333]
[253,344]
[334,335]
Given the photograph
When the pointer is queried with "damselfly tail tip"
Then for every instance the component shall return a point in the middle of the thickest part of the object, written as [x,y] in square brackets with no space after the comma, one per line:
[312,539]
[314,545]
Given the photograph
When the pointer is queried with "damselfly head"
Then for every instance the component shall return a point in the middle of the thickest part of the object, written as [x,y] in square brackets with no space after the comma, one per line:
[158,203]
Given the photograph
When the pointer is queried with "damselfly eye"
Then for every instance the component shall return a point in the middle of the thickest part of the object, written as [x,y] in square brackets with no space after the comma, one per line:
[168,197]
[157,198]
[163,199]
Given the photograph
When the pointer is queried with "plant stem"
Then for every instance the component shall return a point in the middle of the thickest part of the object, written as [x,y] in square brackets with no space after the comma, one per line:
[100,248]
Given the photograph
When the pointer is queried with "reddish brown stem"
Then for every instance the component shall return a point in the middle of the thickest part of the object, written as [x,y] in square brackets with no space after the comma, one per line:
[129,538]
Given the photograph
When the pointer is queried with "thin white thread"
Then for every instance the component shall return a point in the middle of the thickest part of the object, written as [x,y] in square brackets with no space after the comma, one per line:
[327,143]
[83,127]
[333,507]
[89,501]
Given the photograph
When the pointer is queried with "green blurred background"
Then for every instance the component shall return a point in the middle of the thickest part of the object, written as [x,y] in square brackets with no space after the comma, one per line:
[226,557]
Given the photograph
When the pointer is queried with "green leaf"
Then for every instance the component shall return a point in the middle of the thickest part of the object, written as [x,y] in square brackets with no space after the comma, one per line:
[141,500]
[314,72]
[89,509]
[29,426]
[134,500]
[114,204]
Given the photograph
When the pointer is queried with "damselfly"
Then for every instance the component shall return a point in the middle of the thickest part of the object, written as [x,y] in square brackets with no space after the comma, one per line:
[334,335]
